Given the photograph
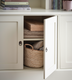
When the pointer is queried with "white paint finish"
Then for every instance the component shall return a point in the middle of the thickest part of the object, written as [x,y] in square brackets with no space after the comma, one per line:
[35,75]
[59,51]
[66,41]
[69,42]
[8,42]
[63,70]
[35,11]
[11,54]
[50,43]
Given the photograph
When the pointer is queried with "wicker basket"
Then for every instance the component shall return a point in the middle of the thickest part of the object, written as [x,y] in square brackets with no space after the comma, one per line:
[33,58]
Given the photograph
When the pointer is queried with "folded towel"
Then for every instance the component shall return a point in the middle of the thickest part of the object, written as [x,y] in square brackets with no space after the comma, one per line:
[42,48]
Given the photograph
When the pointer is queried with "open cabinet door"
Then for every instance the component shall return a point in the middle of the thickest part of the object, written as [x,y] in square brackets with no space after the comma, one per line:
[50,45]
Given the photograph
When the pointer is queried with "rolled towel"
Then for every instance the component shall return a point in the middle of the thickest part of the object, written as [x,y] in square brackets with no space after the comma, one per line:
[38,45]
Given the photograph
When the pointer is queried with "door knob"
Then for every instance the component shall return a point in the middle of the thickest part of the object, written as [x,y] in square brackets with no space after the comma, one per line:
[20,43]
[46,49]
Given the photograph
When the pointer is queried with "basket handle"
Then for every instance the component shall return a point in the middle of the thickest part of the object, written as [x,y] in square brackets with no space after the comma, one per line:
[28,45]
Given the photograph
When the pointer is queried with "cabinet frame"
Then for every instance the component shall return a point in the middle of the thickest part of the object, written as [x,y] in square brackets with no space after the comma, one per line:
[22,34]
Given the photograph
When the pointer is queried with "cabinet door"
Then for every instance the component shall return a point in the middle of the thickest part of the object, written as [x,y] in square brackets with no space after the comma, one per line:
[66,41]
[11,32]
[50,45]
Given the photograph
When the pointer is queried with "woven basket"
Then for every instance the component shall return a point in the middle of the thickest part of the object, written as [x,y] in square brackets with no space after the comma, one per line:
[33,58]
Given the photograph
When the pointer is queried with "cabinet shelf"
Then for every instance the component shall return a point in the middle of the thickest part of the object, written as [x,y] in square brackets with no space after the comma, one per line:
[25,69]
[33,39]
[33,69]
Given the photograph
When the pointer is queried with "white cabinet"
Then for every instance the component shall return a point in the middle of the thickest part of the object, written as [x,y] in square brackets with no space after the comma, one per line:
[11,43]
[66,41]
[12,46]
[11,33]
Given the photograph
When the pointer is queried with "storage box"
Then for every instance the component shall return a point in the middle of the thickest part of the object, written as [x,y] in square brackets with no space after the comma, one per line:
[34,25]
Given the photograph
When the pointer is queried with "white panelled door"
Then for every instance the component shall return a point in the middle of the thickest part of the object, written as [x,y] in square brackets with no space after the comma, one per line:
[66,41]
[11,33]
[50,44]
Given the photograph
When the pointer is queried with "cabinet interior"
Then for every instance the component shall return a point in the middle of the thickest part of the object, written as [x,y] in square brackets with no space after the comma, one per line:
[30,40]
[36,18]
